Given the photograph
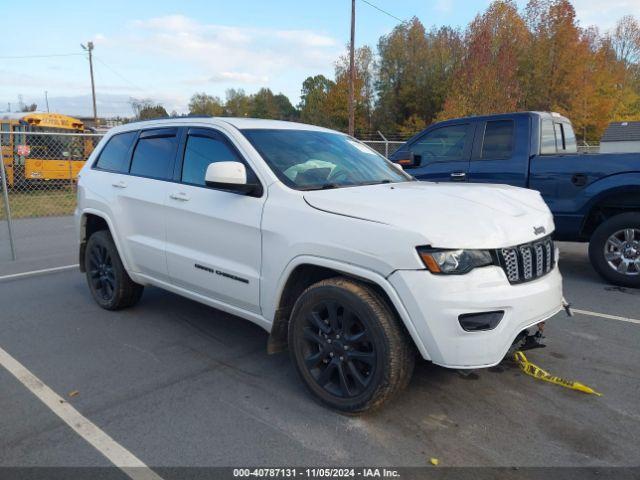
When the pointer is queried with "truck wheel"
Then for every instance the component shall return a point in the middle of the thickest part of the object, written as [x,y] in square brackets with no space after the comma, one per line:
[348,347]
[109,282]
[614,249]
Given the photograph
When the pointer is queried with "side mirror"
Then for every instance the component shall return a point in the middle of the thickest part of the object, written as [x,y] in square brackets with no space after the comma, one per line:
[229,176]
[406,159]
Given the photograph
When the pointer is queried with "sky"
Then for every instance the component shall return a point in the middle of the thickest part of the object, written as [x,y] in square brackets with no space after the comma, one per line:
[168,50]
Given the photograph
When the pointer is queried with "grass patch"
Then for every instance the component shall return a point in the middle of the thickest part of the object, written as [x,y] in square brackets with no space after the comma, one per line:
[41,203]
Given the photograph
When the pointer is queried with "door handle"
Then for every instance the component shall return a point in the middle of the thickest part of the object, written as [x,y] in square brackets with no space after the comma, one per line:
[120,184]
[458,176]
[183,197]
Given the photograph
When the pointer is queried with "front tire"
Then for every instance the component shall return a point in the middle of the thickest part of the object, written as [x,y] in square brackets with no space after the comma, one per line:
[614,250]
[109,282]
[348,346]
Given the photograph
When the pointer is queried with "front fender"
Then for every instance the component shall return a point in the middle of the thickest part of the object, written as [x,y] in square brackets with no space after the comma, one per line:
[351,270]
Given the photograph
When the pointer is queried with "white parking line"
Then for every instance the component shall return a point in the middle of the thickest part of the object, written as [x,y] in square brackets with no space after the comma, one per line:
[13,276]
[605,315]
[107,446]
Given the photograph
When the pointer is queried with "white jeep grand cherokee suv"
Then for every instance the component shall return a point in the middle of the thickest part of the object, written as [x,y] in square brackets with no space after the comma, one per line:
[341,256]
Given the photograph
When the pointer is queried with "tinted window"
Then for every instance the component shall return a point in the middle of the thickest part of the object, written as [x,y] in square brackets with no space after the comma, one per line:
[548,137]
[115,154]
[154,156]
[446,143]
[199,153]
[498,139]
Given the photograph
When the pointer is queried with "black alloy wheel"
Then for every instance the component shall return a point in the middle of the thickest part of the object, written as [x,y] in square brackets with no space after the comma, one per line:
[348,346]
[101,272]
[338,351]
[110,284]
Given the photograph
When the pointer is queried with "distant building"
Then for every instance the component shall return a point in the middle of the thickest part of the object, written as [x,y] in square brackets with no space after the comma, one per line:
[621,137]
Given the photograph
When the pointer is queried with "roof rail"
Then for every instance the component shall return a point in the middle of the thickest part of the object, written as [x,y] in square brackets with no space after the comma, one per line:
[170,118]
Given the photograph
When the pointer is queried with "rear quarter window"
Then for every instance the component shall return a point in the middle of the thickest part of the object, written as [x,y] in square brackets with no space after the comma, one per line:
[114,157]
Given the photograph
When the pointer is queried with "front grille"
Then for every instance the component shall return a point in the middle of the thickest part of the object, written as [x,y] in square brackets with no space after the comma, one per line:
[528,261]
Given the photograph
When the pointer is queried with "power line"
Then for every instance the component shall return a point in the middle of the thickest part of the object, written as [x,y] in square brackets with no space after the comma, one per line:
[119,74]
[383,11]
[41,56]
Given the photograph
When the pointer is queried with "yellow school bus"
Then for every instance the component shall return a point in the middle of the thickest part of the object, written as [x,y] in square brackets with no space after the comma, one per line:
[29,157]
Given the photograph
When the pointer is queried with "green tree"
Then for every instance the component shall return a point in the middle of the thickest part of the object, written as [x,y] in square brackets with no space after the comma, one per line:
[147,109]
[238,103]
[264,104]
[313,100]
[203,104]
[414,73]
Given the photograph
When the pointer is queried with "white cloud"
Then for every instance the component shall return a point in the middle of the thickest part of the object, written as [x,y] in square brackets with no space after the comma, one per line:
[603,14]
[228,53]
[444,6]
[241,77]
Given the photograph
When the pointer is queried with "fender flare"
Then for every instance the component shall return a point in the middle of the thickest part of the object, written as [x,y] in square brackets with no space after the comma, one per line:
[99,213]
[356,272]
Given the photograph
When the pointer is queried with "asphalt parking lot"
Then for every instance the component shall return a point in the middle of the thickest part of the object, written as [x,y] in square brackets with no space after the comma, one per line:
[180,384]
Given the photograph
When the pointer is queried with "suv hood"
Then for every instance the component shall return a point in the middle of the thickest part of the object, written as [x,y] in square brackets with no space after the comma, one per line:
[446,215]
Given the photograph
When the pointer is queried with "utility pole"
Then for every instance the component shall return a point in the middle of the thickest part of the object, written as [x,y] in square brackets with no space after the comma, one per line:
[89,48]
[46,100]
[352,69]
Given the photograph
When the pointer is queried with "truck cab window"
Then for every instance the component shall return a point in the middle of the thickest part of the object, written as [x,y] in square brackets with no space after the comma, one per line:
[570,144]
[498,139]
[443,144]
[547,137]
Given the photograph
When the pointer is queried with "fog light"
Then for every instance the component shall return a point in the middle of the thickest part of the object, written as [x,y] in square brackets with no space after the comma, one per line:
[476,322]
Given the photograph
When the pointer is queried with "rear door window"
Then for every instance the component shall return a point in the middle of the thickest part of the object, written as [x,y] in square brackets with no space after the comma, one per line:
[498,139]
[155,153]
[114,157]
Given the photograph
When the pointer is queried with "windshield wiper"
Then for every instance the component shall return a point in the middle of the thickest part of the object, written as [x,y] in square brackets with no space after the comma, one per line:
[325,186]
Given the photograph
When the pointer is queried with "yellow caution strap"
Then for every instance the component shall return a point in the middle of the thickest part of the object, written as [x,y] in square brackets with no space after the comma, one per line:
[530,369]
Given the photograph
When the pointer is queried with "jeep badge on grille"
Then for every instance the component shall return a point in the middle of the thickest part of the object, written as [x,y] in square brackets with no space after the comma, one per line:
[539,230]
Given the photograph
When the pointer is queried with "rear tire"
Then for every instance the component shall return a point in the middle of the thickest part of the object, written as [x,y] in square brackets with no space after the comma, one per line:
[614,250]
[109,282]
[348,347]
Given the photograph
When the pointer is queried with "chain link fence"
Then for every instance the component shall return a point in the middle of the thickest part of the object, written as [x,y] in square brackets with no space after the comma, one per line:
[386,148]
[39,173]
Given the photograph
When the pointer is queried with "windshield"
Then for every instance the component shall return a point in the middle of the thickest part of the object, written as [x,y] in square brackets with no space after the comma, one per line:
[312,160]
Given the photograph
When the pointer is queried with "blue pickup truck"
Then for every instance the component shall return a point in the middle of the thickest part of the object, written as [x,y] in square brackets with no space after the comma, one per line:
[594,198]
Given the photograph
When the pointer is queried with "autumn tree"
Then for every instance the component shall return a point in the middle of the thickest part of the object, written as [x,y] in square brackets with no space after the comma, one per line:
[338,95]
[488,79]
[625,43]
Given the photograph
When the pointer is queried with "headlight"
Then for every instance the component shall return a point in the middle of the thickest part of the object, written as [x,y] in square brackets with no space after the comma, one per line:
[454,261]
